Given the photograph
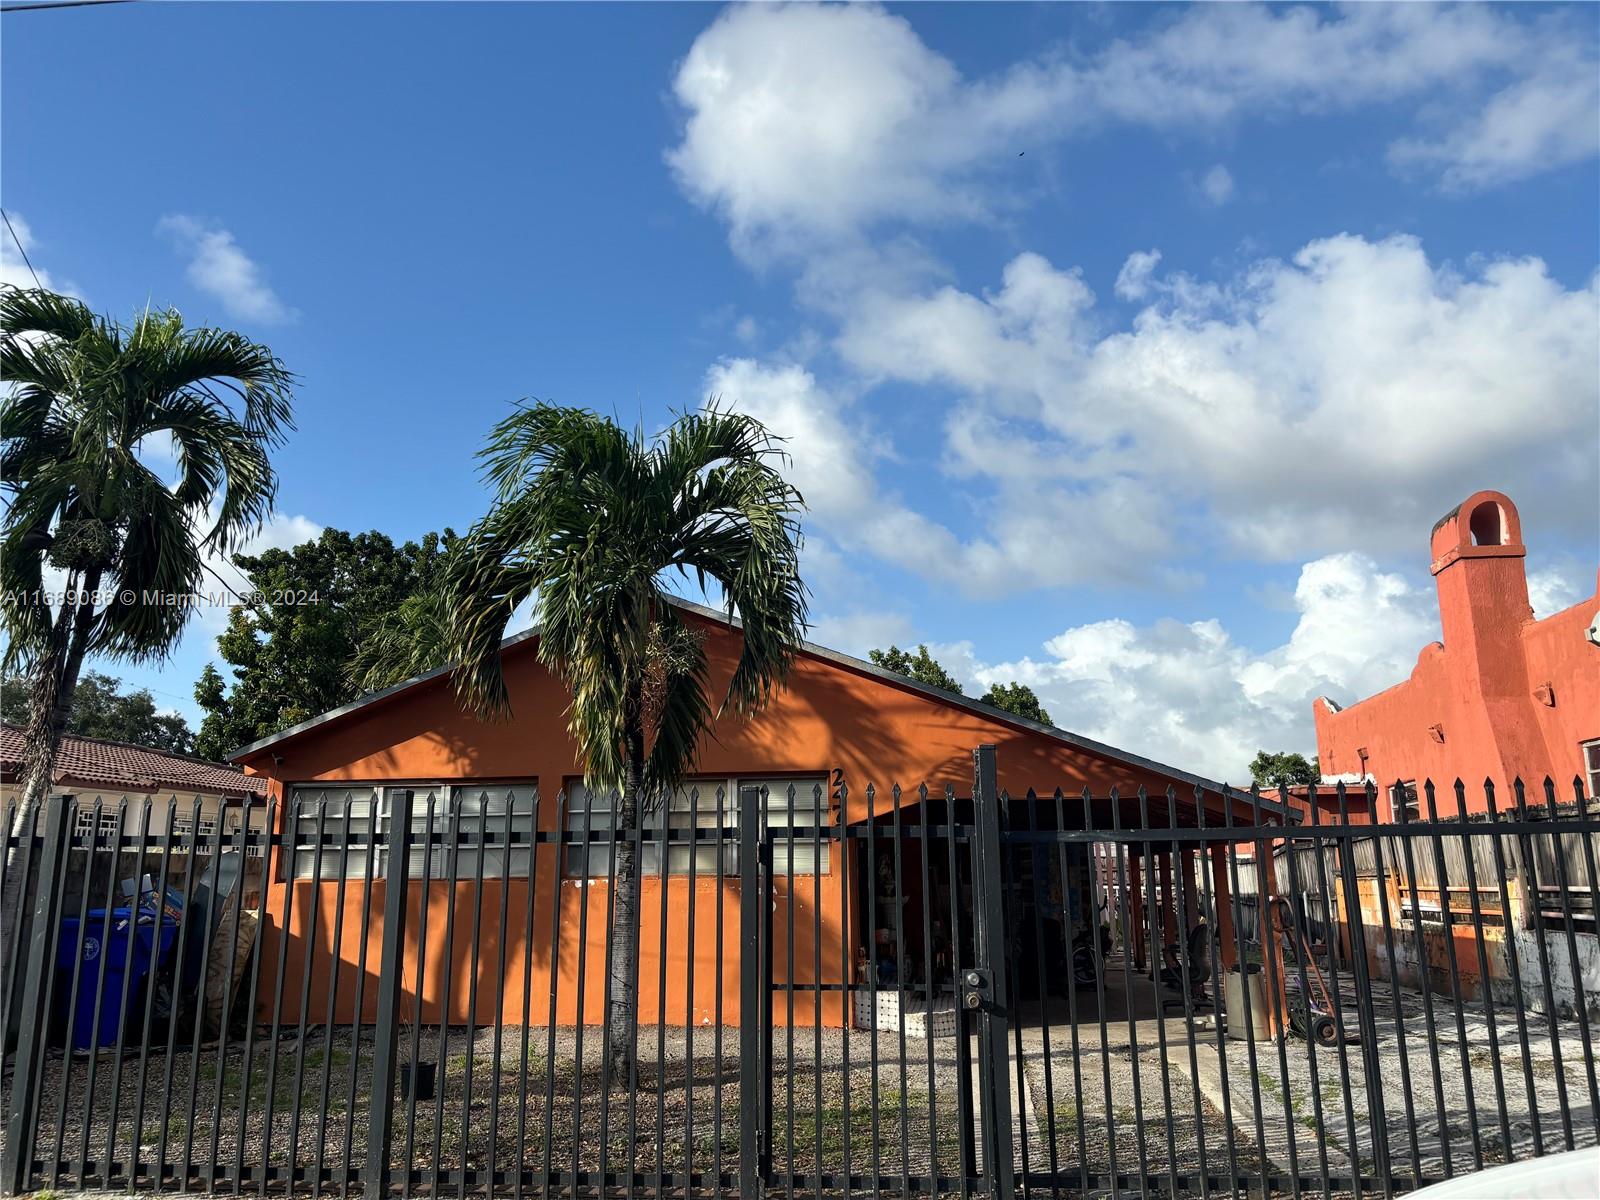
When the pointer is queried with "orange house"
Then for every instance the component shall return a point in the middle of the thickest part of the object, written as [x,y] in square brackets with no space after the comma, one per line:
[1502,696]
[837,725]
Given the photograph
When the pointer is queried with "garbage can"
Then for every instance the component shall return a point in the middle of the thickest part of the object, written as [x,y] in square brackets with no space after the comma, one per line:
[131,949]
[1233,1003]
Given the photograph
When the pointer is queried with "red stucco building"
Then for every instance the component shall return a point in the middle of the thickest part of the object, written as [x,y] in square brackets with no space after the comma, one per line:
[1502,696]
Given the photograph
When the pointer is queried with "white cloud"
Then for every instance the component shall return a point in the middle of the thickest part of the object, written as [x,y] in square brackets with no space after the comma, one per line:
[1133,281]
[859,632]
[1190,695]
[220,268]
[1544,121]
[816,119]
[1342,399]
[1559,586]
[1216,185]
[14,270]
[833,457]
[1031,539]
[808,124]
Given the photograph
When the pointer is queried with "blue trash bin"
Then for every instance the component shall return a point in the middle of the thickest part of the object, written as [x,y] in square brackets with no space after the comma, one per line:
[130,951]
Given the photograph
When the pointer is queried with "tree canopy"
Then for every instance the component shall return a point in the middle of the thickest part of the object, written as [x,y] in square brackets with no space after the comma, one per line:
[1283,769]
[294,651]
[1013,697]
[101,709]
[921,666]
[1017,698]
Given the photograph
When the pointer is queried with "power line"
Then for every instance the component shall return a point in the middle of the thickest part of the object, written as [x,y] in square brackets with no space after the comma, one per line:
[58,4]
[245,603]
[20,250]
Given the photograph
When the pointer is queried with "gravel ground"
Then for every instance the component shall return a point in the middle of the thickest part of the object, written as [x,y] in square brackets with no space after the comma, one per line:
[1449,1077]
[1098,1108]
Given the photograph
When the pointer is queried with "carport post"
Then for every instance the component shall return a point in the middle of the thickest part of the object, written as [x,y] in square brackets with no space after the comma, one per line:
[1167,935]
[391,988]
[1222,898]
[1135,863]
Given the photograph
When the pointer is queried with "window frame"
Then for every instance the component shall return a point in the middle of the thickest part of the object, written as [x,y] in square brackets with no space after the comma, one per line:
[1589,752]
[1412,805]
[651,842]
[514,860]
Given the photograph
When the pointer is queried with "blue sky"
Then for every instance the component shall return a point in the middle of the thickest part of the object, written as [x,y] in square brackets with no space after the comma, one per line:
[1127,350]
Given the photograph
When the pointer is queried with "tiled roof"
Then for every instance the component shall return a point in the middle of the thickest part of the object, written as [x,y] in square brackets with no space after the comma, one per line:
[85,762]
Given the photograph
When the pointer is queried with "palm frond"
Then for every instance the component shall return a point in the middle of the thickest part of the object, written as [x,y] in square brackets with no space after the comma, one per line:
[592,521]
[86,392]
[39,313]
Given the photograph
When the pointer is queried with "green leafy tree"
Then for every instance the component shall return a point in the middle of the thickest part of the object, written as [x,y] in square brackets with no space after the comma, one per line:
[590,522]
[921,666]
[1017,698]
[1287,768]
[414,638]
[95,544]
[1013,697]
[101,709]
[295,650]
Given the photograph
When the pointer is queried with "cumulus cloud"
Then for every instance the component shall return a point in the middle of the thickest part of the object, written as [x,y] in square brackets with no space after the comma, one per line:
[1343,398]
[220,268]
[1029,540]
[1192,695]
[808,124]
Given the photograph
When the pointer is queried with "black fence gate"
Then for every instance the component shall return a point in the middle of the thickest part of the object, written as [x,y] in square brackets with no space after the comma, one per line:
[402,991]
[956,1137]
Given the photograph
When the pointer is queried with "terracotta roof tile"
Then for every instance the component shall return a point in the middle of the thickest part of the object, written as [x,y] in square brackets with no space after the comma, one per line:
[94,762]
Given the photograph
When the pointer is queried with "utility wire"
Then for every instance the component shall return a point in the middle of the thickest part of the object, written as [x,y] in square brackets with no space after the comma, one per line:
[58,4]
[20,250]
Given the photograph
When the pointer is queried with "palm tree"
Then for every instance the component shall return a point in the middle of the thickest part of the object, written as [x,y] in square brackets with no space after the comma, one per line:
[591,521]
[85,393]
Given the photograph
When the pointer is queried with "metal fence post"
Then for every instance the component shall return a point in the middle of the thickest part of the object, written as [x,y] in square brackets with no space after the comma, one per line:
[391,989]
[750,984]
[33,972]
[986,985]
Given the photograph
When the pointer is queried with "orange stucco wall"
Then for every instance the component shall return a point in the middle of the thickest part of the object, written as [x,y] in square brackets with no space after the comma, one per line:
[829,717]
[1501,696]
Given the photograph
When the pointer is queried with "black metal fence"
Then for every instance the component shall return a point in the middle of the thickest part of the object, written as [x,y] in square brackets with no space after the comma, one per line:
[903,993]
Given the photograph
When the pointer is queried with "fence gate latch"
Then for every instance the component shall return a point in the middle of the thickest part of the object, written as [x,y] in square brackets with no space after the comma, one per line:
[977,989]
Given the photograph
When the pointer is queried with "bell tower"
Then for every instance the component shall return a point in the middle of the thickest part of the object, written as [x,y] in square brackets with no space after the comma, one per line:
[1480,572]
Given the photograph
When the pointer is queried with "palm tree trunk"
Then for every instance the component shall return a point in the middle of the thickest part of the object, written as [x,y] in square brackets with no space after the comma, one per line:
[55,678]
[622,1020]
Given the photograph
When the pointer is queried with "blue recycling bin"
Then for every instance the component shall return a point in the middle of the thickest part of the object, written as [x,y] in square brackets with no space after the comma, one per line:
[130,951]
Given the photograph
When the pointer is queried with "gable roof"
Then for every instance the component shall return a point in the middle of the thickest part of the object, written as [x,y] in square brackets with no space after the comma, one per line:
[825,654]
[98,762]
